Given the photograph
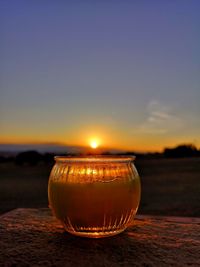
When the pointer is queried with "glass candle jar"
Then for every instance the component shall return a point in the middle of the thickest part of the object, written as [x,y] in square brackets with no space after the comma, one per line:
[94,196]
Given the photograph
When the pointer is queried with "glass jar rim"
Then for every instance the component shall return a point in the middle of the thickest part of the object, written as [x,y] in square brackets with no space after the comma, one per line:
[95,159]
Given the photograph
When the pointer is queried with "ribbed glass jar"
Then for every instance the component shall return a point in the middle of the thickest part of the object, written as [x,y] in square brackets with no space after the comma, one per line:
[94,196]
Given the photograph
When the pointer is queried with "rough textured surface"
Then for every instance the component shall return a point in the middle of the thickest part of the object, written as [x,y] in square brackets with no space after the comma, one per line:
[32,237]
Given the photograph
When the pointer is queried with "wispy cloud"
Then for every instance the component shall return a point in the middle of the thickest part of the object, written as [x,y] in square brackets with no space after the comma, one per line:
[160,119]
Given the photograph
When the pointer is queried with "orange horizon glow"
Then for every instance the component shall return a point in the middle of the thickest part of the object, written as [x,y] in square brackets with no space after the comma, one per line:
[137,144]
[94,135]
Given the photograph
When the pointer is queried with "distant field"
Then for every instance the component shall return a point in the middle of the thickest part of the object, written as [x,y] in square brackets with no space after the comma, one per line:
[169,186]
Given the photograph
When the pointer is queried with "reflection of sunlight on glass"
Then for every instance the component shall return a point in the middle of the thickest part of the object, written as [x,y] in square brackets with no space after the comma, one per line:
[88,171]
[94,144]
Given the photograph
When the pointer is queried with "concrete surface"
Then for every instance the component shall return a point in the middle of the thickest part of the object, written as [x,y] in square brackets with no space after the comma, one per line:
[33,237]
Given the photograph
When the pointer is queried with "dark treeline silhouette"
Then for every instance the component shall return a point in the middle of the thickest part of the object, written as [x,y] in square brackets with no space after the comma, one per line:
[33,158]
[181,151]
[29,157]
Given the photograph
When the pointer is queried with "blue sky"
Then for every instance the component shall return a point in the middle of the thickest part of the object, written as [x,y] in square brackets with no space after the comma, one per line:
[126,72]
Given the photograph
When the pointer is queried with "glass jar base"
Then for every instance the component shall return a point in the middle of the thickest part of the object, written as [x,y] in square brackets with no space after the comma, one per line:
[93,234]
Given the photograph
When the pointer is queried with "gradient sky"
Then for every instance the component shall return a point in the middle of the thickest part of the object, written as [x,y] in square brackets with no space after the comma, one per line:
[126,72]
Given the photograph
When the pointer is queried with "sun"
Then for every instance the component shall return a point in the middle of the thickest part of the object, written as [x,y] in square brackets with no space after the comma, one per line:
[94,144]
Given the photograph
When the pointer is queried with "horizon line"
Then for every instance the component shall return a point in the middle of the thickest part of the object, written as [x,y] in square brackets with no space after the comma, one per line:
[59,144]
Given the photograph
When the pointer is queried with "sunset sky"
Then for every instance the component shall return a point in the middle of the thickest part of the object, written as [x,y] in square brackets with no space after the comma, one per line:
[126,73]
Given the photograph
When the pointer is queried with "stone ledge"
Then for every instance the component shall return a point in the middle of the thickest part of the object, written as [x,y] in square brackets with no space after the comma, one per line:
[33,237]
